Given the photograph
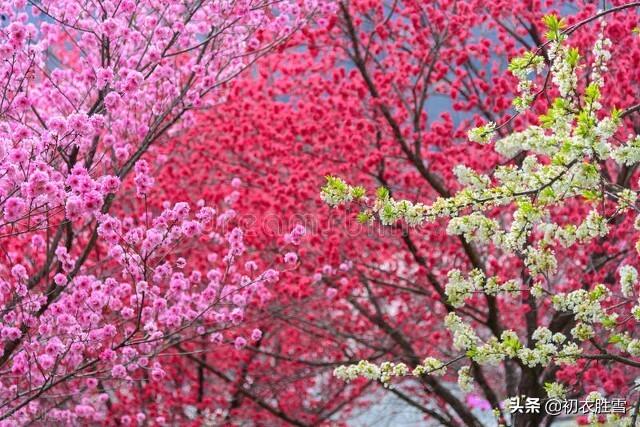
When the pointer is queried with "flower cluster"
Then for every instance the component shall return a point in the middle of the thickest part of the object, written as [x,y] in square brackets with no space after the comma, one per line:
[91,288]
[365,369]
[522,68]
[337,192]
[563,160]
[628,280]
[118,324]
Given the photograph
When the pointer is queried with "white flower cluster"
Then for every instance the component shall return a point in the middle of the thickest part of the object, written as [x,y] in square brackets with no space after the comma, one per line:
[391,211]
[582,331]
[493,351]
[465,380]
[470,178]
[626,199]
[549,347]
[626,343]
[628,280]
[555,390]
[482,134]
[595,225]
[541,261]
[584,304]
[464,337]
[383,373]
[533,139]
[587,309]
[430,366]
[515,210]
[522,68]
[565,235]
[603,131]
[633,347]
[337,192]
[629,153]
[386,371]
[563,68]
[475,227]
[601,56]
[459,288]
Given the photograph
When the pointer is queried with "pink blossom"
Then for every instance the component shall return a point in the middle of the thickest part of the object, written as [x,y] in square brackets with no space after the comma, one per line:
[19,272]
[271,276]
[59,279]
[256,334]
[84,411]
[119,371]
[239,343]
[157,374]
[477,402]
[290,258]
[237,315]
[296,234]
[14,208]
[216,338]
[112,101]
[46,361]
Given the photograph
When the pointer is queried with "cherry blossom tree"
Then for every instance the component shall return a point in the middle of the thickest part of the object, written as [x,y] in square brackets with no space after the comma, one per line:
[167,258]
[95,276]
[573,156]
[382,95]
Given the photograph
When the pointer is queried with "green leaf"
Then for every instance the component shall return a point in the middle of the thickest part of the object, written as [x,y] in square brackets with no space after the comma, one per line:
[615,339]
[363,217]
[517,63]
[554,26]
[609,322]
[382,193]
[548,193]
[358,192]
[591,195]
[573,56]
[592,93]
[616,114]
[586,123]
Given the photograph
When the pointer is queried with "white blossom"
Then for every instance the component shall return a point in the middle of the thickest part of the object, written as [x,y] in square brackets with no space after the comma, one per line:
[628,279]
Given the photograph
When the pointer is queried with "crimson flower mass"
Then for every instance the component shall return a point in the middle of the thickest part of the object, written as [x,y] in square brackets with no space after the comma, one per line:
[319,213]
